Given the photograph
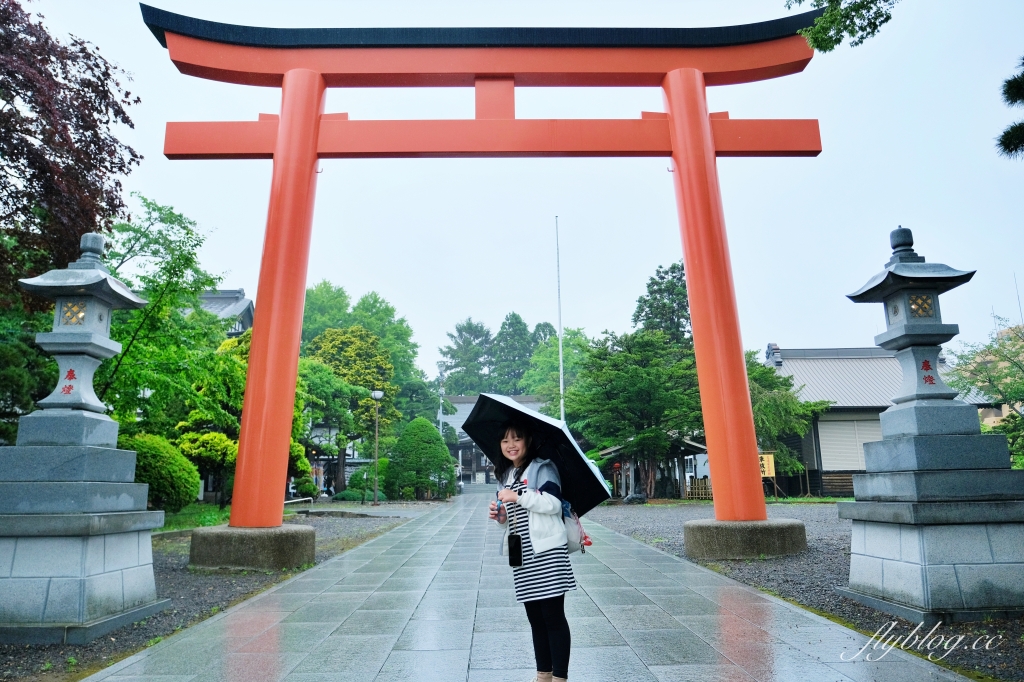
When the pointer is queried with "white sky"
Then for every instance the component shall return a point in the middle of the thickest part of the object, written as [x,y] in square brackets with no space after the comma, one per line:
[908,123]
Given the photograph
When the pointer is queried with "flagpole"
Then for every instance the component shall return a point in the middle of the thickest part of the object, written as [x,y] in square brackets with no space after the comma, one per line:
[561,366]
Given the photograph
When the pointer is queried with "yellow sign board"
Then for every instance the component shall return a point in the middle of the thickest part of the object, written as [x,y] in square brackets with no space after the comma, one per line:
[767,465]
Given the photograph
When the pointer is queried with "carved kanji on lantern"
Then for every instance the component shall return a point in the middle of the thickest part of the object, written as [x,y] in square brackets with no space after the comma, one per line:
[926,366]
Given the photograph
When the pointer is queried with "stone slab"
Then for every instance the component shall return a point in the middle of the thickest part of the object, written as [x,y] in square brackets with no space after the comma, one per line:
[917,453]
[930,418]
[940,486]
[928,513]
[70,497]
[285,546]
[916,334]
[744,631]
[66,463]
[927,616]
[67,427]
[713,539]
[78,634]
[57,525]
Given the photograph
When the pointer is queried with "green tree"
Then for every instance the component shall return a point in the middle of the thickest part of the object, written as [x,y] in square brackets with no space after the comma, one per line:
[1012,426]
[666,305]
[510,353]
[358,358]
[995,368]
[213,454]
[1011,142]
[779,412]
[173,480]
[467,360]
[542,332]
[27,374]
[326,306]
[420,398]
[326,417]
[859,20]
[60,162]
[421,460]
[170,345]
[542,377]
[378,317]
[640,391]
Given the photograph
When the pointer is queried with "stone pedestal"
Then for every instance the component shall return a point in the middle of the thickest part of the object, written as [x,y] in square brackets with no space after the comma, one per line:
[287,546]
[713,539]
[75,555]
[938,527]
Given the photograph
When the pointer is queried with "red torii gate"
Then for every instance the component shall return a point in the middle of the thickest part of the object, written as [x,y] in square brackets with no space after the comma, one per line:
[304,62]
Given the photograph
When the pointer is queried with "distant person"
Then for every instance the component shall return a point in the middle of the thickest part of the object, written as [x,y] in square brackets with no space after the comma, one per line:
[533,511]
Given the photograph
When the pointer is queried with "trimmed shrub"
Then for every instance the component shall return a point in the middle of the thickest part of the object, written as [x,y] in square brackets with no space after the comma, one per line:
[173,480]
[408,493]
[357,481]
[307,487]
[421,460]
[357,496]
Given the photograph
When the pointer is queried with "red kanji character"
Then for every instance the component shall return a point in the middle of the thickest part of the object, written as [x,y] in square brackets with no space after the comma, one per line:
[926,365]
[70,376]
[67,389]
[929,379]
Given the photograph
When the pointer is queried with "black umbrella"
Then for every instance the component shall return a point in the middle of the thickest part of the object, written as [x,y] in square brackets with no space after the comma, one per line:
[583,485]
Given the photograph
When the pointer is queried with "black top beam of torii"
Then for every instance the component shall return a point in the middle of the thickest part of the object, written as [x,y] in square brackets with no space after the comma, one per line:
[161,21]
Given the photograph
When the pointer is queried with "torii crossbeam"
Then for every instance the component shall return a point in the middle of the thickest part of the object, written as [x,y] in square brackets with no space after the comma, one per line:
[304,62]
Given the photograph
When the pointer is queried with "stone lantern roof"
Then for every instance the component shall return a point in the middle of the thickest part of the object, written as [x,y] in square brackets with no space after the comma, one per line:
[87,276]
[907,270]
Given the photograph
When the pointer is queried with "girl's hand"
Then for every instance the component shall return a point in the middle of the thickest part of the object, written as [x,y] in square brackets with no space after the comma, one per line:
[495,514]
[507,495]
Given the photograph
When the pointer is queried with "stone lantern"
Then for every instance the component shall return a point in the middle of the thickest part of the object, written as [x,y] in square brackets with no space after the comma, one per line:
[85,295]
[75,552]
[938,521]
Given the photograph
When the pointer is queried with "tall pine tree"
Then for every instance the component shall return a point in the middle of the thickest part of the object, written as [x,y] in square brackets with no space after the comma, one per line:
[467,360]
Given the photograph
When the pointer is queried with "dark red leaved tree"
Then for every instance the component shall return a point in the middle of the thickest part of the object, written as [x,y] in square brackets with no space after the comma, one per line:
[59,160]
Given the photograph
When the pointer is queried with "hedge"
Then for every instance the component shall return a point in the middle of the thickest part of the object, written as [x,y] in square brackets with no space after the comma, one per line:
[173,480]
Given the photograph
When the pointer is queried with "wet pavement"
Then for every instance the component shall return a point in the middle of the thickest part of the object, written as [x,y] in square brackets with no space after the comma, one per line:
[432,601]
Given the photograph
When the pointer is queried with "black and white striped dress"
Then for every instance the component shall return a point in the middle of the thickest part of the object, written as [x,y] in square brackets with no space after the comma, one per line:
[543,575]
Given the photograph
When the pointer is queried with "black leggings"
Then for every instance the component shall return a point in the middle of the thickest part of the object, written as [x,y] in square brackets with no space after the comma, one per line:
[551,638]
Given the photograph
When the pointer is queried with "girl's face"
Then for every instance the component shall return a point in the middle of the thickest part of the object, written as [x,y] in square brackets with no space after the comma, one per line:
[513,447]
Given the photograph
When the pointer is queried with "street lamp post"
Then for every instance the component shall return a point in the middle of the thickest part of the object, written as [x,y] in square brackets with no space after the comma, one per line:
[376,395]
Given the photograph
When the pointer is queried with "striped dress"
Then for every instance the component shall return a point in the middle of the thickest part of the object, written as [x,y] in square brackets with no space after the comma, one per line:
[544,575]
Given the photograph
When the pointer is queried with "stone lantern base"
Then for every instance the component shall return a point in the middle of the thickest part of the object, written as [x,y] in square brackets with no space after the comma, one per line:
[76,559]
[938,523]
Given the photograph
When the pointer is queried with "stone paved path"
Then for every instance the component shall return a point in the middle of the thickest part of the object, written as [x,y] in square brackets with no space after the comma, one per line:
[433,601]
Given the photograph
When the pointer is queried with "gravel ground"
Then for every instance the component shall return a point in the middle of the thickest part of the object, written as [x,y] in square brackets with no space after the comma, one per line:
[195,595]
[808,578]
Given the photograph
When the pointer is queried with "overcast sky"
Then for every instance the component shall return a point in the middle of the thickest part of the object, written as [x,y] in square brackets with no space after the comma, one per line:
[908,122]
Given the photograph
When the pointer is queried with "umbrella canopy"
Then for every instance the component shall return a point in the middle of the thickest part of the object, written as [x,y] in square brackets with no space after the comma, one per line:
[583,485]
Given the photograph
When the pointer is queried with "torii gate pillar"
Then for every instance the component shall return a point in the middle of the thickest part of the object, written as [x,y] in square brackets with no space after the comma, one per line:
[303,62]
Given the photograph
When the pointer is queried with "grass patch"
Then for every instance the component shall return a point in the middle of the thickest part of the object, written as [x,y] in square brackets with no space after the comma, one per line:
[197,515]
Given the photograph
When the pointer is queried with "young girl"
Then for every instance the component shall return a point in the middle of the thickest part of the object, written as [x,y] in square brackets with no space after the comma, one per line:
[534,511]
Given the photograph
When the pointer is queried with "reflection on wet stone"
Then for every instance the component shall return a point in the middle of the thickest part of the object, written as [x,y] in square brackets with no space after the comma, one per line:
[433,601]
